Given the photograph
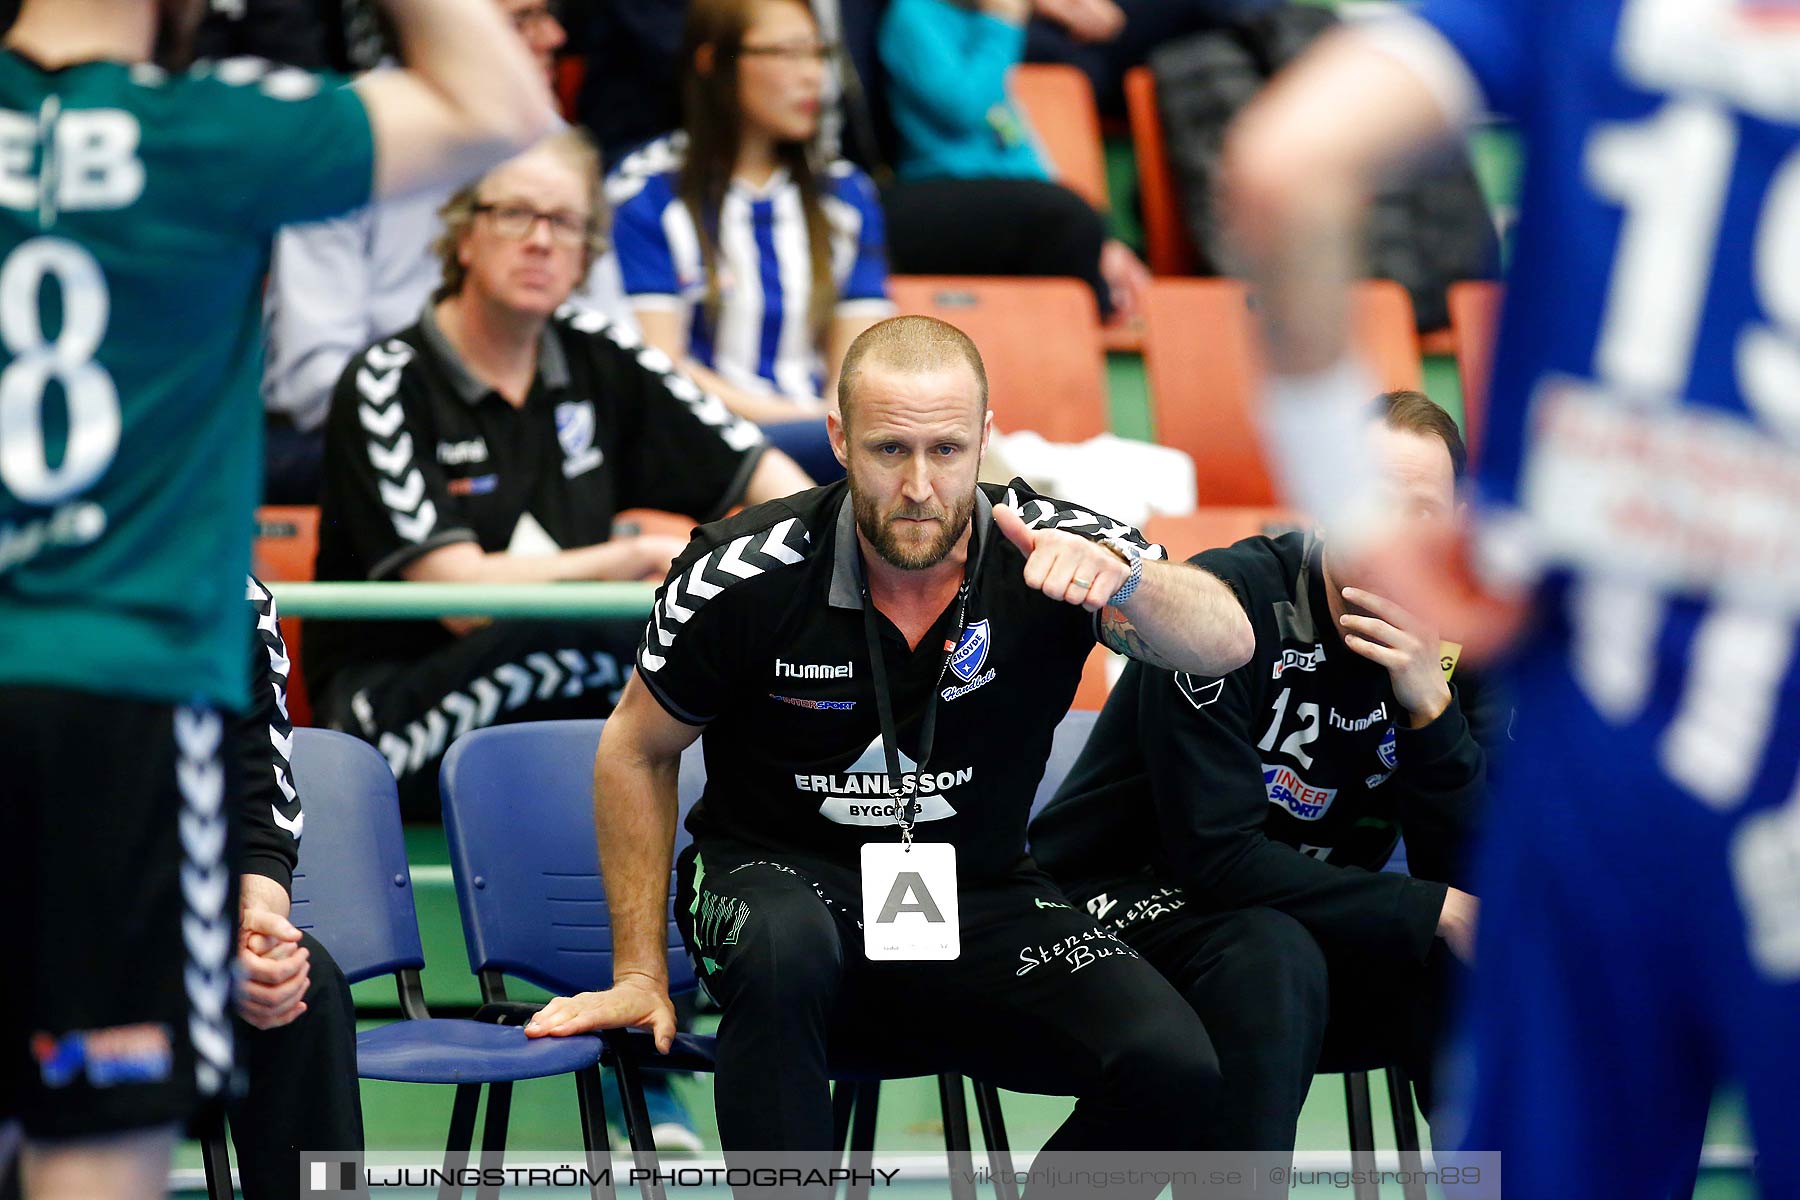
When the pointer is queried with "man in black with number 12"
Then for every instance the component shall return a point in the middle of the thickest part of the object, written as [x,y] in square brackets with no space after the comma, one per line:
[1232,828]
[879,666]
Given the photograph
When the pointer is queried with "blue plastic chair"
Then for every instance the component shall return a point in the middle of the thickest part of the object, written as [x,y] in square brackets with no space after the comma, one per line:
[518,811]
[352,891]
[1066,744]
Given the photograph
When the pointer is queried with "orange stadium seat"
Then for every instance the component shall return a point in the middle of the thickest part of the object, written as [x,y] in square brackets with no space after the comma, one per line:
[1059,102]
[1166,244]
[1210,528]
[287,542]
[1475,316]
[1203,363]
[1040,339]
[653,521]
[1097,677]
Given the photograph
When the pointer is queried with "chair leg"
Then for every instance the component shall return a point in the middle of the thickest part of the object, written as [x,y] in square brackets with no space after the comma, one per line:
[462,1136]
[956,1136]
[843,1103]
[1406,1133]
[595,1142]
[637,1124]
[1362,1133]
[493,1135]
[216,1160]
[865,1102]
[993,1135]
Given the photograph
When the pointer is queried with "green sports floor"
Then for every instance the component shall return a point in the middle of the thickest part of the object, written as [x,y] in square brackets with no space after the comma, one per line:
[402,1117]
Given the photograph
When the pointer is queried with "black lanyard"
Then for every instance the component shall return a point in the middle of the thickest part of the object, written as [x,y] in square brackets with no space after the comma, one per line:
[906,813]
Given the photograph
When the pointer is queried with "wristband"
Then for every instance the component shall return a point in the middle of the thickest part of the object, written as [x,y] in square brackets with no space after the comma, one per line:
[1130,585]
[1315,428]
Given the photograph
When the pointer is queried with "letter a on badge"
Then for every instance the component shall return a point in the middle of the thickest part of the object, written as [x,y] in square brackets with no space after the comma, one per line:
[909,894]
[910,909]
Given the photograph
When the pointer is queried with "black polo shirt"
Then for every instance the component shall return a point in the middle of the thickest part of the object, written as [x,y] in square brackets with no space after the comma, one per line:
[1285,783]
[758,635]
[420,454]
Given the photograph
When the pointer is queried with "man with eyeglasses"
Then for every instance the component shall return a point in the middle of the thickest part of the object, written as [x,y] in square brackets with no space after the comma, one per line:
[335,286]
[493,441]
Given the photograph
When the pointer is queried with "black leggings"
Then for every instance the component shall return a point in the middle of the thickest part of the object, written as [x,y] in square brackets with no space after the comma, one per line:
[1276,1007]
[995,227]
[1039,1001]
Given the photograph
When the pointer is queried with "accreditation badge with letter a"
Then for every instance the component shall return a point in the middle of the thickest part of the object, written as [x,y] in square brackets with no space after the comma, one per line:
[909,902]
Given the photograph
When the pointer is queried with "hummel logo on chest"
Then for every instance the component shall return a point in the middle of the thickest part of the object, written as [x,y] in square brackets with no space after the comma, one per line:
[788,670]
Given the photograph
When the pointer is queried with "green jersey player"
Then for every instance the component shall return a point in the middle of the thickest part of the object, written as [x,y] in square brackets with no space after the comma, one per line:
[136,208]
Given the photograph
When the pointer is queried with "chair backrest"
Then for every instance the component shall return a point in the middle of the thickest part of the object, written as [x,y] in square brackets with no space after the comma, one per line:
[518,812]
[1167,247]
[1387,333]
[287,542]
[653,521]
[1204,364]
[352,889]
[571,72]
[1040,342]
[1065,747]
[1209,528]
[1058,100]
[1475,316]
[1097,676]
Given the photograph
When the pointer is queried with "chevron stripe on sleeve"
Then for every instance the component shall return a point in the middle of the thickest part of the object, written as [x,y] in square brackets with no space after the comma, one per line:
[782,544]
[1041,513]
[389,443]
[286,811]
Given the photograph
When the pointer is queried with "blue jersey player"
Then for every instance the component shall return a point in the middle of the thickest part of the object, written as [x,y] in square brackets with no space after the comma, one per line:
[1640,938]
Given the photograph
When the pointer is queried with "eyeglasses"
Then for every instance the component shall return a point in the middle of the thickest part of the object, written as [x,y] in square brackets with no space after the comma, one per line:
[794,52]
[516,221]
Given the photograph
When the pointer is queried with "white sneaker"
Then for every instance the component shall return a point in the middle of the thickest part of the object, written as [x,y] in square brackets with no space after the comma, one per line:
[671,1137]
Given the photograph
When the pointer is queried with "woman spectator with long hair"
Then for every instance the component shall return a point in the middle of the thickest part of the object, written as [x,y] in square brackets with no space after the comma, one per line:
[746,259]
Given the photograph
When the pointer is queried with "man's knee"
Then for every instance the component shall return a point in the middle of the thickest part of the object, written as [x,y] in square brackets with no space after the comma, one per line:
[327,991]
[1271,974]
[1165,1052]
[774,944]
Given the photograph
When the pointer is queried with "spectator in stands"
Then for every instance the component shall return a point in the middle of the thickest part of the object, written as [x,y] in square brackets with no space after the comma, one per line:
[316,35]
[297,1031]
[1106,38]
[630,93]
[745,259]
[335,286]
[493,441]
[1232,829]
[975,196]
